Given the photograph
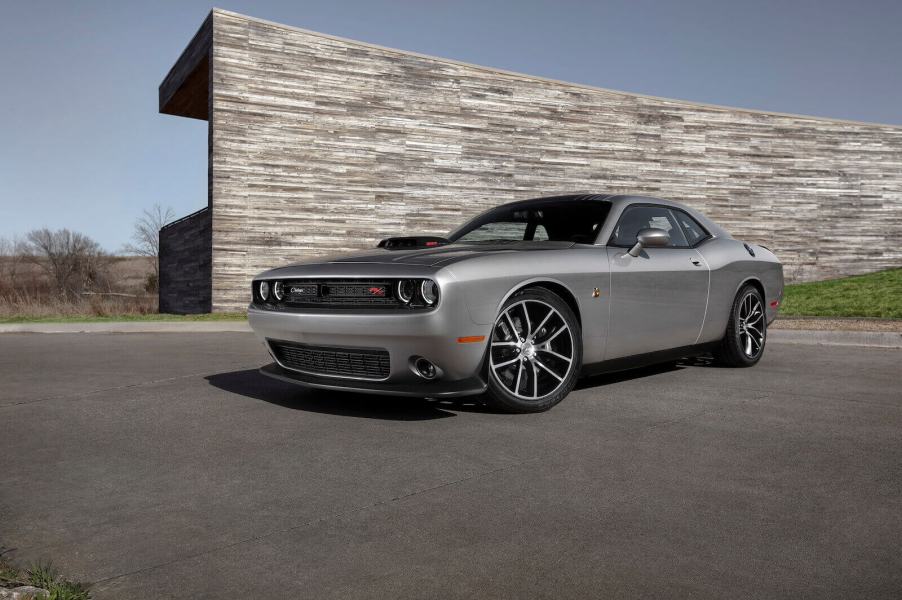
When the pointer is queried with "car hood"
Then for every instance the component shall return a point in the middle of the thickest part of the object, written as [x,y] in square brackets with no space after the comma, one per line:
[352,263]
[444,255]
[359,264]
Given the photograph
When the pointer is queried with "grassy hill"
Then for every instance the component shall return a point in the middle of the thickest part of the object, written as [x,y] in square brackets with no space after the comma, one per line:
[876,295]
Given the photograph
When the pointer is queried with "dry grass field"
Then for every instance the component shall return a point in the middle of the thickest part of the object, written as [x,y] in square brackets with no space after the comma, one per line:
[27,293]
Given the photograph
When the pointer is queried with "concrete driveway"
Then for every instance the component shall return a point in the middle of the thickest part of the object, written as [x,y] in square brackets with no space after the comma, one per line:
[163,465]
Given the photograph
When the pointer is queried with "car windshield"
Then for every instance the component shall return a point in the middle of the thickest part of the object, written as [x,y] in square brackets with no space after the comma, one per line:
[554,221]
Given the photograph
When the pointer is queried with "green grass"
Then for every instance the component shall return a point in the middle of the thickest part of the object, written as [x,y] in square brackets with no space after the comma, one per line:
[43,575]
[876,295]
[123,317]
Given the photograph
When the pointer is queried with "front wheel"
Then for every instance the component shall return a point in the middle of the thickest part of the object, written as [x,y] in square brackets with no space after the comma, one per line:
[743,343]
[535,353]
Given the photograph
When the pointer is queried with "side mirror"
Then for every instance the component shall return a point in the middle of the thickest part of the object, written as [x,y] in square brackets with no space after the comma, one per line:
[649,238]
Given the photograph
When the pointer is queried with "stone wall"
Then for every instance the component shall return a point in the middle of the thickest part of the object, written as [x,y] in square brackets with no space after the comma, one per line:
[319,145]
[186,265]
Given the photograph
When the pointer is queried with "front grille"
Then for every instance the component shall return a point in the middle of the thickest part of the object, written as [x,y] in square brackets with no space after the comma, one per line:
[350,293]
[363,363]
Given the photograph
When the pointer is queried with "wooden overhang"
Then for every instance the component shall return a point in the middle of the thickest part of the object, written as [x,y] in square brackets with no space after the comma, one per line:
[185,91]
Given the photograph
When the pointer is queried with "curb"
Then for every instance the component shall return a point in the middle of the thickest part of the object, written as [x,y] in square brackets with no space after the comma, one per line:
[872,339]
[129,327]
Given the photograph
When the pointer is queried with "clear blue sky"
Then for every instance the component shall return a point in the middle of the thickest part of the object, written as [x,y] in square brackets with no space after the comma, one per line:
[82,145]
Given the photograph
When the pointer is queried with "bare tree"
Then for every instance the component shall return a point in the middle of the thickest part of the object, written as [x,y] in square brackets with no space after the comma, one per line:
[12,253]
[146,236]
[73,261]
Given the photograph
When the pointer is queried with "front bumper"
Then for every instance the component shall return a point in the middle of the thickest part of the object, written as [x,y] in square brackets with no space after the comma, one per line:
[431,334]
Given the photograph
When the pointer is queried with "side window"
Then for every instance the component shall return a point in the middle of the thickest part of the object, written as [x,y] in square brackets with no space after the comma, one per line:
[636,218]
[693,231]
[540,235]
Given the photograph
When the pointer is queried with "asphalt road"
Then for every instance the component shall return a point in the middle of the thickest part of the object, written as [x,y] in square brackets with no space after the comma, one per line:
[163,465]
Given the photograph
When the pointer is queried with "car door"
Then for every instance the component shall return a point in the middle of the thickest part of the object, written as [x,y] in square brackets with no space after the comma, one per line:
[658,299]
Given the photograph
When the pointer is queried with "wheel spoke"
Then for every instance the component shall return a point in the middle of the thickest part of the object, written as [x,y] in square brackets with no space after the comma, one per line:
[535,381]
[519,375]
[758,319]
[553,353]
[555,334]
[545,320]
[542,365]
[494,344]
[755,341]
[514,331]
[528,324]
[505,363]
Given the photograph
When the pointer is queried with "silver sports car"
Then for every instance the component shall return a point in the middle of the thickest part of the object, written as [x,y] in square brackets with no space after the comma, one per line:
[519,302]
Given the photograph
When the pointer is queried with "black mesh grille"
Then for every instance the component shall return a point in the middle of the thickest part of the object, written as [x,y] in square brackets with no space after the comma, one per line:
[339,362]
[349,293]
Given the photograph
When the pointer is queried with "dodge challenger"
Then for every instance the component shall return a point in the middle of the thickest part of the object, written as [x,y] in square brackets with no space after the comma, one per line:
[519,302]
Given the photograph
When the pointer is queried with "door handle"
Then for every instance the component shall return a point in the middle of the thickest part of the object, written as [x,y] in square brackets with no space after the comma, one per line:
[695,262]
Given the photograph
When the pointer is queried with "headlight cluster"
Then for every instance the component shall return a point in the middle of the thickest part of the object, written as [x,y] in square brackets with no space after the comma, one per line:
[271,291]
[417,291]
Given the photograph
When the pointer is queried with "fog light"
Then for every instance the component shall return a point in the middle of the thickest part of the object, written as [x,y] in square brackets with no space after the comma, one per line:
[425,369]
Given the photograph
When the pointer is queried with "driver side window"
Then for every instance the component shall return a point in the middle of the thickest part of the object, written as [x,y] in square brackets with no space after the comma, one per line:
[636,218]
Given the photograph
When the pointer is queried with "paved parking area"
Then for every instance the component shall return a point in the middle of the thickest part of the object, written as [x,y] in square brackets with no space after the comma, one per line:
[164,466]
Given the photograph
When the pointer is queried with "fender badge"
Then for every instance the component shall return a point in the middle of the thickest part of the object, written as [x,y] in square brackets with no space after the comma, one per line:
[596,293]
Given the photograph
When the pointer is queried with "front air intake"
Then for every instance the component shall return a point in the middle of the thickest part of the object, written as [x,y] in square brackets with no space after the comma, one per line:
[329,361]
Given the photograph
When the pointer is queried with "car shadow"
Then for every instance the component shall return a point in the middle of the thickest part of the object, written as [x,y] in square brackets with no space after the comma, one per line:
[603,379]
[252,384]
[701,361]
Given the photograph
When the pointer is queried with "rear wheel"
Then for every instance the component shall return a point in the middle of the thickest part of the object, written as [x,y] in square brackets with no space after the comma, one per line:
[743,343]
[535,352]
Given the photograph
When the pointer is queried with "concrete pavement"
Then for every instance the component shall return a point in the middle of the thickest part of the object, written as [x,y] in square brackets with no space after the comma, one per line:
[164,466]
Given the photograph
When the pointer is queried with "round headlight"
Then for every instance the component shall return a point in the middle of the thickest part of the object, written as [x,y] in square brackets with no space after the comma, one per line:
[264,290]
[406,289]
[278,290]
[429,291]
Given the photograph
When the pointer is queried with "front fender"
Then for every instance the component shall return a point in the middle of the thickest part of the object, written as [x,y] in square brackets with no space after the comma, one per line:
[488,282]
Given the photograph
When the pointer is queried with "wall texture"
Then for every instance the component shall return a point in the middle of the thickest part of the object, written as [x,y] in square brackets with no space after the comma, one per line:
[185,264]
[319,145]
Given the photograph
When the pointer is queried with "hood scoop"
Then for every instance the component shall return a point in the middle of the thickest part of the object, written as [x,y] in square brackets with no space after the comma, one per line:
[412,242]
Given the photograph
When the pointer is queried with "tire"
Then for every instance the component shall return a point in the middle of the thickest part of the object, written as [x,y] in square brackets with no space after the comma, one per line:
[743,343]
[535,352]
